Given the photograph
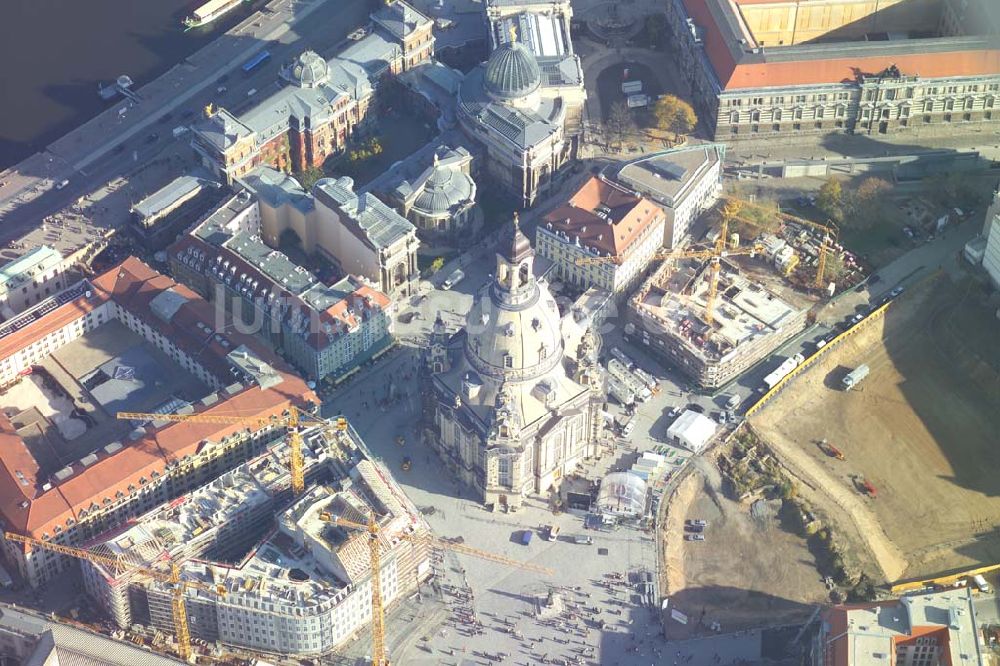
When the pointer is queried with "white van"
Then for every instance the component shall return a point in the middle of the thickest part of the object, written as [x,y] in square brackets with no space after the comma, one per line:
[981,584]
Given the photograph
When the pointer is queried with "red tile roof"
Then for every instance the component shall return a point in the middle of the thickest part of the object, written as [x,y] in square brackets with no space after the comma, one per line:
[625,218]
[26,508]
[53,321]
[734,74]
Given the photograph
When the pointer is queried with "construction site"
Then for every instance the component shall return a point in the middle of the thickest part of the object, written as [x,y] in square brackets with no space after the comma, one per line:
[715,311]
[902,462]
[261,569]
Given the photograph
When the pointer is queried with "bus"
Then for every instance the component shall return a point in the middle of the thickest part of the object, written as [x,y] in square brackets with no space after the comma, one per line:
[256,61]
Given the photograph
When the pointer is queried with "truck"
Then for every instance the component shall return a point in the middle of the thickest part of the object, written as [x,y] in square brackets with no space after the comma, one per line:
[631,87]
[854,377]
[981,584]
[637,101]
[647,379]
[618,370]
[180,131]
[456,276]
[617,390]
[623,357]
[551,532]
[782,371]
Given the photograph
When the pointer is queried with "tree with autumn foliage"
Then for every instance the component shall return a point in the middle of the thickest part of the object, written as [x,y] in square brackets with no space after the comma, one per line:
[674,115]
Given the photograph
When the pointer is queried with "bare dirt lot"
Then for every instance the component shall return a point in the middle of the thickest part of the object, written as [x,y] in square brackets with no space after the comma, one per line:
[922,428]
[747,572]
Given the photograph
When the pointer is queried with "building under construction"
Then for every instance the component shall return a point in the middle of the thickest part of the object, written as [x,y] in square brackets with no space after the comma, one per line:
[264,571]
[130,339]
[748,321]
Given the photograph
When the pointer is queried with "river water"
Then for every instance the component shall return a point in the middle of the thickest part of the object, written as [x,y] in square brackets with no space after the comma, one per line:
[53,54]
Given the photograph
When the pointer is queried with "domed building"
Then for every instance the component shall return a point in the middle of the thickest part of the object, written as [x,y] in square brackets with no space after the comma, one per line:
[434,190]
[514,410]
[308,70]
[524,104]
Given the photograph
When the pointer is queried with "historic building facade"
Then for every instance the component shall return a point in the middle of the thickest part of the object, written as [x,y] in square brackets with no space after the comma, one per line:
[755,76]
[324,104]
[523,105]
[513,410]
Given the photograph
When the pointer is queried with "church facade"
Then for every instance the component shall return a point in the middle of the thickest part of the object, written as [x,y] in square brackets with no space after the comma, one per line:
[513,411]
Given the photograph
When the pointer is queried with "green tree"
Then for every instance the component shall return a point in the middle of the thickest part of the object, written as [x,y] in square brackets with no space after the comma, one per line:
[437,264]
[674,115]
[308,177]
[830,200]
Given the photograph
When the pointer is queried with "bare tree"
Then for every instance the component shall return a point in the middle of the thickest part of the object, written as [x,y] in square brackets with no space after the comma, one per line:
[619,123]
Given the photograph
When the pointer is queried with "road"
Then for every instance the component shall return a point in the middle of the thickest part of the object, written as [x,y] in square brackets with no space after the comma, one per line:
[110,146]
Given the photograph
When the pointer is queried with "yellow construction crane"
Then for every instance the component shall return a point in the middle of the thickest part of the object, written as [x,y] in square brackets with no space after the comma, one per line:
[372,529]
[830,234]
[715,254]
[178,585]
[296,463]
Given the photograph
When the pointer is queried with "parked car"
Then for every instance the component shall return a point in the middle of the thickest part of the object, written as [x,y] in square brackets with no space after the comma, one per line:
[694,537]
[895,292]
[700,522]
[695,407]
[583,540]
[627,430]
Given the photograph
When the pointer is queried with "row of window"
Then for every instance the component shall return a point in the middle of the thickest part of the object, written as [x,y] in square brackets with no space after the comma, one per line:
[839,124]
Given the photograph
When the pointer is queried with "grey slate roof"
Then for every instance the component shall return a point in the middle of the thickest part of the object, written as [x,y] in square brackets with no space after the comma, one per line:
[277,188]
[399,18]
[522,127]
[222,129]
[380,225]
[64,644]
[165,197]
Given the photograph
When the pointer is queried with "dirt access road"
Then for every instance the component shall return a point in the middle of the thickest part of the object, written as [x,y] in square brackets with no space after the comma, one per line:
[921,428]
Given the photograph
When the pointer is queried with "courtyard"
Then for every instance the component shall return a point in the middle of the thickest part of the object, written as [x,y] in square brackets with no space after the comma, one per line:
[65,409]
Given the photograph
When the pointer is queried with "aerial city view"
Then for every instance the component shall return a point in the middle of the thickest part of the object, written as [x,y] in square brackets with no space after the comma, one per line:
[500,332]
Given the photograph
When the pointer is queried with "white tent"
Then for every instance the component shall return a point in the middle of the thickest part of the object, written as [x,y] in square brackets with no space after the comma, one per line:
[692,431]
